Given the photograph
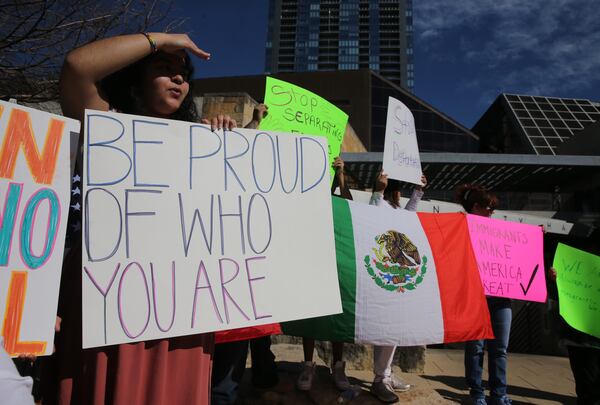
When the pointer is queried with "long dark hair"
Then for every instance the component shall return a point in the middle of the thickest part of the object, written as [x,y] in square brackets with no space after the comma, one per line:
[120,86]
[388,194]
[468,195]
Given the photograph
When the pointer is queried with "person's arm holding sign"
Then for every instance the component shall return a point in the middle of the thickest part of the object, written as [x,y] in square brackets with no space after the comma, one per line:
[340,179]
[260,112]
[417,194]
[380,186]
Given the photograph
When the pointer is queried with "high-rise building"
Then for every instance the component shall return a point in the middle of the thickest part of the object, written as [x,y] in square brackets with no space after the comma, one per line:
[313,35]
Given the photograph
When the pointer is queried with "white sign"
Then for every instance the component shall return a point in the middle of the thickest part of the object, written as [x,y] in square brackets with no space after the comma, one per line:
[189,231]
[35,180]
[401,160]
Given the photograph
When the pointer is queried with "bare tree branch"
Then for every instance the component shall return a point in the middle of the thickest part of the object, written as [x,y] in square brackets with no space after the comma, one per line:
[35,36]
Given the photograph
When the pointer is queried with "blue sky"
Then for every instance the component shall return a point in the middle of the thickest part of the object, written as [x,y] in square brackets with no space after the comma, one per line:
[466,51]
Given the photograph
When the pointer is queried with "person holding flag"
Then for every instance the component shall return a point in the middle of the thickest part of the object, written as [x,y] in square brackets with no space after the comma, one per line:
[477,200]
[338,369]
[387,194]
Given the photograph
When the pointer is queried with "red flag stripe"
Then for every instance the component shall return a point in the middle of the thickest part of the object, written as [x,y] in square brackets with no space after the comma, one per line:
[464,308]
[247,333]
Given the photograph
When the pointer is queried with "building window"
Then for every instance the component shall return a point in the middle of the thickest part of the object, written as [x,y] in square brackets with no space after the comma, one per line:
[347,66]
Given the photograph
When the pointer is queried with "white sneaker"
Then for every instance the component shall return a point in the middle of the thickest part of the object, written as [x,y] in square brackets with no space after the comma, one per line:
[397,384]
[306,376]
[339,376]
[383,392]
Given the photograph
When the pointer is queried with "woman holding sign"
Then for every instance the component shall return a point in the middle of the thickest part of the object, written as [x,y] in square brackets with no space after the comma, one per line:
[144,74]
[338,368]
[477,200]
[582,346]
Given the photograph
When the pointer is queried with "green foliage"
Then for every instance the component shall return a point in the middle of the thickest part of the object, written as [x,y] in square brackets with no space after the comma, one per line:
[395,270]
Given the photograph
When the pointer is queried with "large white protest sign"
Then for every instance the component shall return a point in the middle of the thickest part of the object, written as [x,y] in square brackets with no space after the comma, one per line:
[35,179]
[401,160]
[189,231]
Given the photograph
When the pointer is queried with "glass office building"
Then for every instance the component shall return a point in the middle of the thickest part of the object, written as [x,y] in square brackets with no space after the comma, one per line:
[517,123]
[321,35]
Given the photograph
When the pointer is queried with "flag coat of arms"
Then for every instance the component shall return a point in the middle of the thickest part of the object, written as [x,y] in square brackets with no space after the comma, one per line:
[405,278]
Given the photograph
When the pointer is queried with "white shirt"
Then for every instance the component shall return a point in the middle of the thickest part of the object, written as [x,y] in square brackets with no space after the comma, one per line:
[14,389]
[411,205]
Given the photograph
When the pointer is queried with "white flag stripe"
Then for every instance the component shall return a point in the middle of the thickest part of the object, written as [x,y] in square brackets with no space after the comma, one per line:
[388,317]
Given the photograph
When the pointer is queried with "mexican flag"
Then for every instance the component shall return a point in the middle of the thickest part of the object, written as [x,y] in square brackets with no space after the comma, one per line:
[406,279]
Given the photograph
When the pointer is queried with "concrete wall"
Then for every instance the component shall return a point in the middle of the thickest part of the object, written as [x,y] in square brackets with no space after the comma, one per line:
[238,106]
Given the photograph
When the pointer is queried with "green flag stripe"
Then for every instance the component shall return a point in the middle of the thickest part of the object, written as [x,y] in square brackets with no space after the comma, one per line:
[337,328]
[346,262]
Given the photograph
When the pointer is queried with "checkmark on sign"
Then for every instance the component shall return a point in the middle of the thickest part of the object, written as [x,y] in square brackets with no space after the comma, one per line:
[526,290]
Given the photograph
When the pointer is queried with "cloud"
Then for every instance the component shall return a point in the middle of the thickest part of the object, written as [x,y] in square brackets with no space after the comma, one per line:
[538,46]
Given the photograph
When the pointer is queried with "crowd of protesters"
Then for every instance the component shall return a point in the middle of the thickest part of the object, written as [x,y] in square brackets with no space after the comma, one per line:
[149,74]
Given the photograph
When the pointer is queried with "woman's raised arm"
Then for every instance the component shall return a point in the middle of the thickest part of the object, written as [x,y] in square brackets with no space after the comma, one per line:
[86,66]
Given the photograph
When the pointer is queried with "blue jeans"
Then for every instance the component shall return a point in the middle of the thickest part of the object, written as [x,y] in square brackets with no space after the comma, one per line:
[501,316]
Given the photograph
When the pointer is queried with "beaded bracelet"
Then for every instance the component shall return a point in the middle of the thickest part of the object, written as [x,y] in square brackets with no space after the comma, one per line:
[153,46]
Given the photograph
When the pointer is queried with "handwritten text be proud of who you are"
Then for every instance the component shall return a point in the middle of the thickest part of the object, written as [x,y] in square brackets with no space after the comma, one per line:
[188,230]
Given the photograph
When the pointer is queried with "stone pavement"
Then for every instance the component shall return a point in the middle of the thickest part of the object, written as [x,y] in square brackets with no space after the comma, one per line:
[532,380]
